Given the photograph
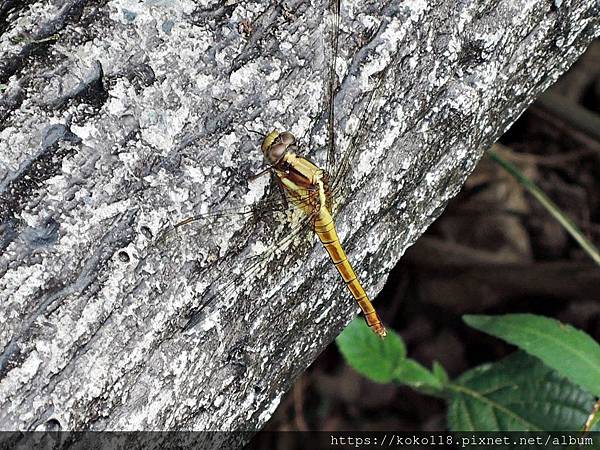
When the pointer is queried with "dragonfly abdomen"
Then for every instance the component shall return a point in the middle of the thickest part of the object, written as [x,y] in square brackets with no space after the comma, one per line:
[325,229]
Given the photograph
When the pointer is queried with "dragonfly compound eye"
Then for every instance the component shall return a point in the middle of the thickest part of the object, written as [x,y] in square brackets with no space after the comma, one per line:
[287,138]
[276,152]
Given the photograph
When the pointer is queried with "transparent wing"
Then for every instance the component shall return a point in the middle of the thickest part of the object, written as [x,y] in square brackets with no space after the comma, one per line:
[252,265]
[257,211]
[339,169]
[234,215]
[364,125]
[334,7]
[240,280]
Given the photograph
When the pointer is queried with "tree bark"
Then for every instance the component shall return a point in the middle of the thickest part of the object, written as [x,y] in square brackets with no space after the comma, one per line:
[120,117]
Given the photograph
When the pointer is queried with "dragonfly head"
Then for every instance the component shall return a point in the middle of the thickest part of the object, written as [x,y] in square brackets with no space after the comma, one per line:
[276,145]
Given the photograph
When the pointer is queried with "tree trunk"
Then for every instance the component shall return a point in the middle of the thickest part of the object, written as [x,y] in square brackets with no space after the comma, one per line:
[121,117]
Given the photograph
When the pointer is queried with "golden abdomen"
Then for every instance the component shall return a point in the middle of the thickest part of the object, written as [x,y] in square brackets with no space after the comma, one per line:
[325,229]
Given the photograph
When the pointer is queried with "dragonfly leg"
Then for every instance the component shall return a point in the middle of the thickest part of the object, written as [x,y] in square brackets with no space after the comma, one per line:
[281,189]
[259,174]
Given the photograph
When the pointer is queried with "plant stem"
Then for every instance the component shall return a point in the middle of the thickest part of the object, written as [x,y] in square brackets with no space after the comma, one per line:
[549,205]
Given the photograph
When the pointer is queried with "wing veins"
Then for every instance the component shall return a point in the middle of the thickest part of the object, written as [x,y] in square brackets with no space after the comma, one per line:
[278,206]
[248,273]
[335,8]
[350,152]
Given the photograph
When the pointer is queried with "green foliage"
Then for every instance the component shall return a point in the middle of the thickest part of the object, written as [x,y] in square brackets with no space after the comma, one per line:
[412,373]
[371,356]
[440,373]
[567,350]
[519,393]
[384,360]
[552,390]
[550,386]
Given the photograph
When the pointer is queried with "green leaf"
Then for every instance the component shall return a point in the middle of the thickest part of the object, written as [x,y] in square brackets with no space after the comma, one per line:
[384,360]
[519,393]
[440,373]
[412,373]
[569,351]
[368,354]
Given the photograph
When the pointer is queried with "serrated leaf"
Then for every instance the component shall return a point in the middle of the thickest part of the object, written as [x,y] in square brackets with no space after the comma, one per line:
[412,373]
[519,393]
[571,352]
[368,354]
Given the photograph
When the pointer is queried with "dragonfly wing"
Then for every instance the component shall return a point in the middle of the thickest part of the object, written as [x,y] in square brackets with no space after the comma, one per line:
[350,153]
[258,263]
[277,201]
[253,264]
[192,224]
[334,7]
[339,168]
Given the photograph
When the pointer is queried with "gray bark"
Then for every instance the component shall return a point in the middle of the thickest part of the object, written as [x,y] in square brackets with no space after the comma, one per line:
[120,117]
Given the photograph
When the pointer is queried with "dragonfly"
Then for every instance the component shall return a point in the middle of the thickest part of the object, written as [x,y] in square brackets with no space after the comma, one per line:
[304,185]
